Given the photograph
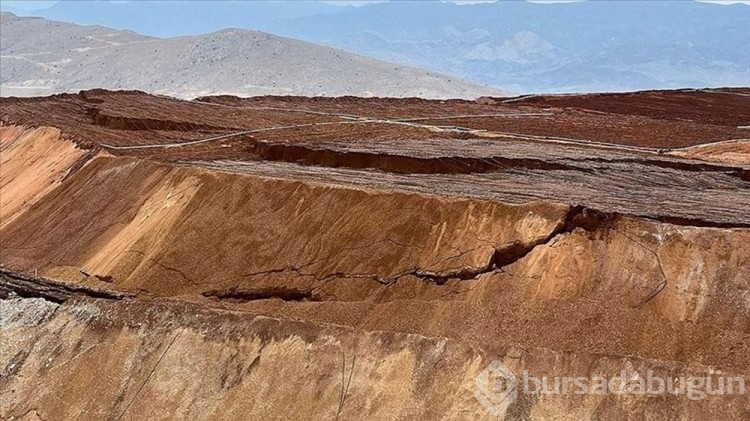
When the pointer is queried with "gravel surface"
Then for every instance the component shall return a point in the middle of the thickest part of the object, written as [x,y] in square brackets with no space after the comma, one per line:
[25,312]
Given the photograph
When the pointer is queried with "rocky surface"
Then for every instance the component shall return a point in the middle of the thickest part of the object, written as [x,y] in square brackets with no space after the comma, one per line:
[207,255]
[43,57]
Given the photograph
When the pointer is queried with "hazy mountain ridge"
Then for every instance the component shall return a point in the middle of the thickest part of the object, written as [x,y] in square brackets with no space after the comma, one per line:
[42,57]
[521,46]
[559,47]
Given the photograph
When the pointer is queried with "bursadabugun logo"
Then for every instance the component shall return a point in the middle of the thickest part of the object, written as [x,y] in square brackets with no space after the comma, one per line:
[497,387]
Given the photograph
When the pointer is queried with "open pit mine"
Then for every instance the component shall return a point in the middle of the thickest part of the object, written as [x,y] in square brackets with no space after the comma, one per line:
[346,258]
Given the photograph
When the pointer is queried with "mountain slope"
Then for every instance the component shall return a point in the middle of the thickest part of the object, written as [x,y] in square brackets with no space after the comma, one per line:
[39,56]
[516,45]
[526,47]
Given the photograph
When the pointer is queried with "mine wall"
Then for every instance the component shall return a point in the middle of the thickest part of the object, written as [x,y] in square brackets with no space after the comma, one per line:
[135,289]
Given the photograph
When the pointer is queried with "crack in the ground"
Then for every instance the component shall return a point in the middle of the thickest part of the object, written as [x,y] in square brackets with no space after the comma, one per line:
[280,292]
[577,217]
[663,284]
[174,269]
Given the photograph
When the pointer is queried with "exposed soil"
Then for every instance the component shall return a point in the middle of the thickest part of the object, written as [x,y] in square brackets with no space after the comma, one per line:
[660,119]
[376,253]
[723,107]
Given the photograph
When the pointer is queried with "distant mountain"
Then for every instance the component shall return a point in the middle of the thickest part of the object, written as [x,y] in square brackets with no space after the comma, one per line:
[39,57]
[527,47]
[181,17]
[516,45]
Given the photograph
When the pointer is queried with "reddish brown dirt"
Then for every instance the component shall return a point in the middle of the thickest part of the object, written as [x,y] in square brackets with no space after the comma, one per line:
[435,248]
[721,107]
[515,153]
[664,119]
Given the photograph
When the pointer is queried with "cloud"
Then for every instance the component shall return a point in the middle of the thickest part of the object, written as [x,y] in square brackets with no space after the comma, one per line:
[464,2]
[355,3]
[553,1]
[725,2]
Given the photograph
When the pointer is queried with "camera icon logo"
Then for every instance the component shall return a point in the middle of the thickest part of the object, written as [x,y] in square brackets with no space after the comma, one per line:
[497,388]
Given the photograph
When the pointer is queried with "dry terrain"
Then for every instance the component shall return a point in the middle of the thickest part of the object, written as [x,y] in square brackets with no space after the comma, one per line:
[349,258]
[43,57]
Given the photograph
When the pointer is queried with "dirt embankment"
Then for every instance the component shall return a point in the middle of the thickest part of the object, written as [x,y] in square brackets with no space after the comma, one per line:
[33,162]
[733,152]
[722,107]
[151,230]
[138,359]
[664,119]
[388,260]
[207,288]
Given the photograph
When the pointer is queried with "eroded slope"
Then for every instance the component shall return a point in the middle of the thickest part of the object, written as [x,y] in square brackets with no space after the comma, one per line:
[414,252]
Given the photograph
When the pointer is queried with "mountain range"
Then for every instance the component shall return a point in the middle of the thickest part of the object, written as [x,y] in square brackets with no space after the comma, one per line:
[516,45]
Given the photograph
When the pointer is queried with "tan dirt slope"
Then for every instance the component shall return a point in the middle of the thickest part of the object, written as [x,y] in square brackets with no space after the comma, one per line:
[33,163]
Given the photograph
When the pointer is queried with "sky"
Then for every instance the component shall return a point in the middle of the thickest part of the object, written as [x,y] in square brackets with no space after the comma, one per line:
[678,43]
[27,5]
[31,5]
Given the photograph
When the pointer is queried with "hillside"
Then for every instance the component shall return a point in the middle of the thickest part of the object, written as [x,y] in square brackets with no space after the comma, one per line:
[520,46]
[366,258]
[41,57]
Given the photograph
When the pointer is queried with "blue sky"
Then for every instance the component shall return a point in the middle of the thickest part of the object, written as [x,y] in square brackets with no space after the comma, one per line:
[31,5]
[515,45]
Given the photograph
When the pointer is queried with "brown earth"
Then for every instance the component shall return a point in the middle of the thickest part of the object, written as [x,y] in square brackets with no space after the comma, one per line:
[282,257]
[732,152]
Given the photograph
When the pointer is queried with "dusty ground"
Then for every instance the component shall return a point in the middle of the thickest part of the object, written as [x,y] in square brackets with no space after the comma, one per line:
[377,253]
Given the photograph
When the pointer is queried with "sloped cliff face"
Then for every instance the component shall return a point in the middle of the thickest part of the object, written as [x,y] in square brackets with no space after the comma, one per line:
[137,285]
[171,225]
[33,163]
[173,231]
[165,360]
